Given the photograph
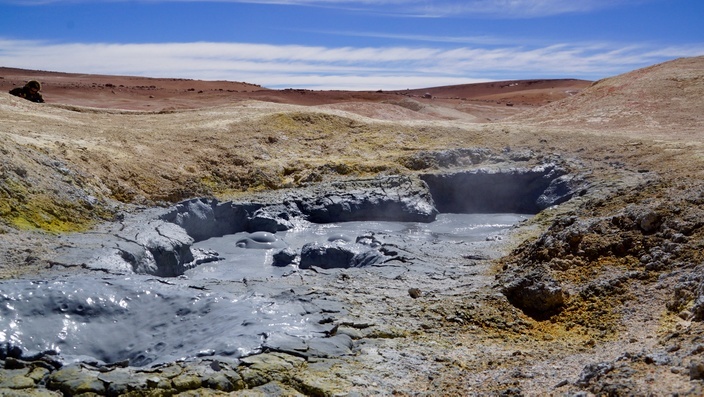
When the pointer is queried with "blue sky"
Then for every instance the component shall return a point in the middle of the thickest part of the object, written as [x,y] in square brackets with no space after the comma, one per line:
[349,44]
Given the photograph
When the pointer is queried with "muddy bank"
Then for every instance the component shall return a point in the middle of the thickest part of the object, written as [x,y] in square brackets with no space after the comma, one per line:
[158,242]
[307,314]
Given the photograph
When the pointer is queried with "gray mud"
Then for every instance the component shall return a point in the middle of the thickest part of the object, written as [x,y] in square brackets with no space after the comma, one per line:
[235,306]
[237,261]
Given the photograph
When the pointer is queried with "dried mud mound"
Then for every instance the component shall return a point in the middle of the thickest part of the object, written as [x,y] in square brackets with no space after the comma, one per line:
[662,96]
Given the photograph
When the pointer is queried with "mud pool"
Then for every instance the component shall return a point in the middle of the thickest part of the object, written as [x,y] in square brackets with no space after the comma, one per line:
[240,258]
[235,305]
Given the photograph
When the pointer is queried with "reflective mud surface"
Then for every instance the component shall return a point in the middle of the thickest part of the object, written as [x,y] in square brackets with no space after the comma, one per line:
[238,261]
[236,306]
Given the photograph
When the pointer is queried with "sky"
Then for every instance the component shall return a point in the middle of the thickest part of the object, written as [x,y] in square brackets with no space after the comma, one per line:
[349,44]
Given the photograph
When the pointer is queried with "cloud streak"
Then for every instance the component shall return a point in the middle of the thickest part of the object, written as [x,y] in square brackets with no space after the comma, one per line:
[413,8]
[350,68]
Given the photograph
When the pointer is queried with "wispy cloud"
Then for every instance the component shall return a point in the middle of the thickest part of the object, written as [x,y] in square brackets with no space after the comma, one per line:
[352,68]
[513,8]
[415,8]
[466,40]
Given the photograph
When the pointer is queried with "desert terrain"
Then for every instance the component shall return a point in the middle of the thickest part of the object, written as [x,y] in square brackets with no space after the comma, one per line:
[600,295]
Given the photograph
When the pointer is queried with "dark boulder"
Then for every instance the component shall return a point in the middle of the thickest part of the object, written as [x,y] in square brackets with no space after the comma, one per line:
[339,254]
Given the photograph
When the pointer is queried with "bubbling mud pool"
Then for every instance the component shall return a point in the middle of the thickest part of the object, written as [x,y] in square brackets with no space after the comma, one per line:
[236,306]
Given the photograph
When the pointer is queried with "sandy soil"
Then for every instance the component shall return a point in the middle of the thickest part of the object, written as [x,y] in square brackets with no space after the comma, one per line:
[105,144]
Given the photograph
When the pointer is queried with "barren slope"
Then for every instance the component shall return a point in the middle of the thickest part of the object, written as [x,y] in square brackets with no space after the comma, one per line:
[662,97]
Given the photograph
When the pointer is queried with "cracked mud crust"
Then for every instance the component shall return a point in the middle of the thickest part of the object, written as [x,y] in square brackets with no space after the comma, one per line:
[601,295]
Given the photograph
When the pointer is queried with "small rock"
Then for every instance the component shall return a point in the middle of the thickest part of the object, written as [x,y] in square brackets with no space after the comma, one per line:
[593,371]
[414,293]
[219,382]
[537,294]
[685,315]
[696,370]
[284,257]
[215,365]
[648,221]
[73,379]
[338,255]
[186,382]
[658,359]
[16,379]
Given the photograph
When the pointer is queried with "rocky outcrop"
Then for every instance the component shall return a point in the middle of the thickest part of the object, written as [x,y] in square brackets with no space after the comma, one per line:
[204,218]
[397,198]
[617,249]
[466,157]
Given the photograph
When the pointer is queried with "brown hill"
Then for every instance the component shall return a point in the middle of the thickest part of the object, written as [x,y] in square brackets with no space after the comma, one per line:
[124,92]
[661,97]
[470,102]
[528,92]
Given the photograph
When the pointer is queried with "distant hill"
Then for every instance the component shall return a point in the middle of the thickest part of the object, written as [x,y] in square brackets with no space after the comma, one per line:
[144,93]
[520,91]
[121,92]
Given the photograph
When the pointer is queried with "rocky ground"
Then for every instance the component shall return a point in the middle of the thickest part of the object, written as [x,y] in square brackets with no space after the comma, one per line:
[601,295]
